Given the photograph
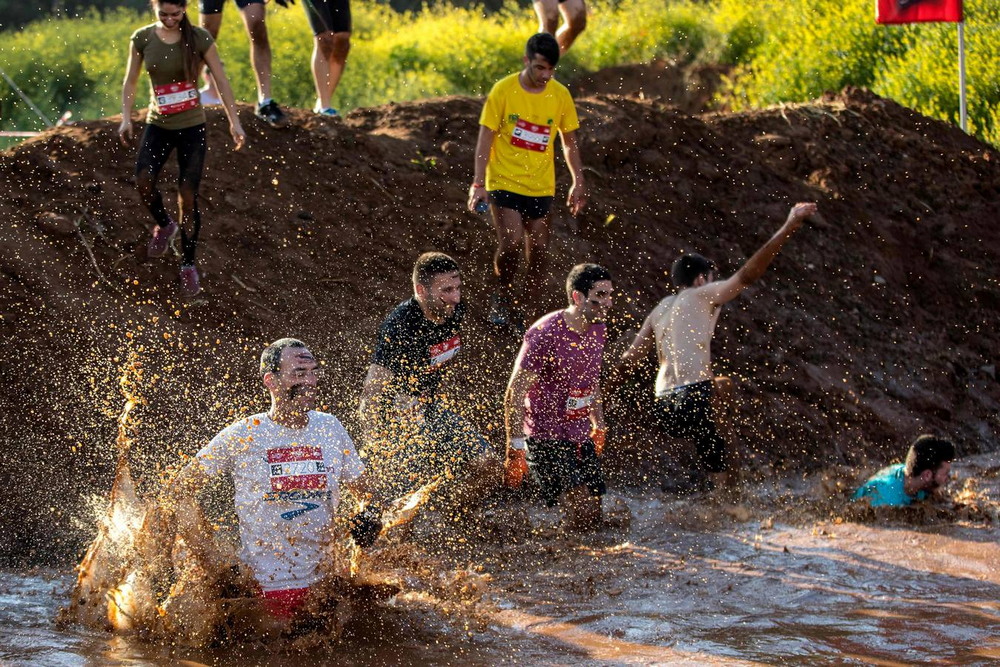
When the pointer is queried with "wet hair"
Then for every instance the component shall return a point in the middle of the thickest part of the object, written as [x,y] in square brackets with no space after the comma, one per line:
[582,279]
[687,268]
[189,48]
[928,452]
[270,358]
[544,45]
[432,264]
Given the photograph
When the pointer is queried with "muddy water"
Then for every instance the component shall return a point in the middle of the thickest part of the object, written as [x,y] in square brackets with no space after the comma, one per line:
[686,583]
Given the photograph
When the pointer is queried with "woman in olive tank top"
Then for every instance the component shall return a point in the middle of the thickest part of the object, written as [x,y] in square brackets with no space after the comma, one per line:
[173,51]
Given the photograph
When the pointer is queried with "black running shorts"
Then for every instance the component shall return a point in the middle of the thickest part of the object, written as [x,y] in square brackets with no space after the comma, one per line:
[530,208]
[686,412]
[328,15]
[215,6]
[561,465]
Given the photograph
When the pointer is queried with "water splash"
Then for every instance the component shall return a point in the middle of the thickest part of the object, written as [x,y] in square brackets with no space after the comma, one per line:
[166,574]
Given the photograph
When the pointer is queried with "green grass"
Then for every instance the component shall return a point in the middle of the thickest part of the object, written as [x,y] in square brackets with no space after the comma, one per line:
[781,50]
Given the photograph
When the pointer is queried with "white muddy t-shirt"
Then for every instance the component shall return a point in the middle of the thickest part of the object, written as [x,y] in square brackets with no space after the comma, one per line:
[287,488]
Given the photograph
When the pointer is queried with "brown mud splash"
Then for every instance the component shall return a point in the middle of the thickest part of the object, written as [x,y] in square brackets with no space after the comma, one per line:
[182,583]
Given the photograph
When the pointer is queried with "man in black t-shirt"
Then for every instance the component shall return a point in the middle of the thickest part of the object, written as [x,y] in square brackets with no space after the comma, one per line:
[410,437]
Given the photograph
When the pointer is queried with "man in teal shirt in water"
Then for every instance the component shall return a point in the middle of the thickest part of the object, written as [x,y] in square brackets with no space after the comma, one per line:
[927,466]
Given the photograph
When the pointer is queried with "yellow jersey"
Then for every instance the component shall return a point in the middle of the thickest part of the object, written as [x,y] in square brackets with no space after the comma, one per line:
[521,159]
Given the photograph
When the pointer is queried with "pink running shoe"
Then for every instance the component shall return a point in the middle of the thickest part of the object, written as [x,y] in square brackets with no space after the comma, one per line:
[160,240]
[190,284]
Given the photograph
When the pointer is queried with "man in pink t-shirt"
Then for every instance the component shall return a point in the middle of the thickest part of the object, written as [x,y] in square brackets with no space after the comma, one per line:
[555,422]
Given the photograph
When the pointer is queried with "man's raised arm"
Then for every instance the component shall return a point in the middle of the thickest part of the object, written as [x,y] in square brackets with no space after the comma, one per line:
[724,291]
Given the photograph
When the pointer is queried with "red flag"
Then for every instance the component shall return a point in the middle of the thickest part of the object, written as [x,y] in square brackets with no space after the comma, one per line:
[915,11]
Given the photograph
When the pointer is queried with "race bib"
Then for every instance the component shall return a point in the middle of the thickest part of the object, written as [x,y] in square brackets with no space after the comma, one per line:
[174,98]
[296,468]
[530,136]
[444,352]
[578,403]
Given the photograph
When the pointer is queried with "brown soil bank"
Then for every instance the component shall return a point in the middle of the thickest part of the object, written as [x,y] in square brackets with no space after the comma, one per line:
[876,323]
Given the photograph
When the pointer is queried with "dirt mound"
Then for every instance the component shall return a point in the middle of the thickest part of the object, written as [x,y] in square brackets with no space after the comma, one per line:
[876,323]
[688,87]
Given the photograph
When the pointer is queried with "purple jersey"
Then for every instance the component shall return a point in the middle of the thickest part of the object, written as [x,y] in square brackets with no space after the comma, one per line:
[569,370]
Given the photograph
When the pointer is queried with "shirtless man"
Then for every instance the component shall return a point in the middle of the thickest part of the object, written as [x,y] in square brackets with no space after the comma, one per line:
[681,328]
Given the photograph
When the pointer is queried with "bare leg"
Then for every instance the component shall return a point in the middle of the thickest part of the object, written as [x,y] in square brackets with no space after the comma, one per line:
[510,230]
[548,15]
[329,57]
[483,476]
[536,252]
[574,13]
[722,393]
[260,48]
[583,509]
[213,24]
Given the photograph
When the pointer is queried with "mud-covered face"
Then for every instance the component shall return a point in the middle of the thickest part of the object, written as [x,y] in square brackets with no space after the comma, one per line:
[442,296]
[940,476]
[169,14]
[594,306]
[296,380]
[538,70]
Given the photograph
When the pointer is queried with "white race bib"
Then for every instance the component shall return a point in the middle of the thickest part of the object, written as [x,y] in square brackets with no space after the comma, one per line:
[444,352]
[174,98]
[578,403]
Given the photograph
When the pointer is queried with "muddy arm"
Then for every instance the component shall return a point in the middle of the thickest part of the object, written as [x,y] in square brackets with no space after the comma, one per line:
[226,93]
[577,198]
[725,291]
[477,191]
[128,92]
[513,405]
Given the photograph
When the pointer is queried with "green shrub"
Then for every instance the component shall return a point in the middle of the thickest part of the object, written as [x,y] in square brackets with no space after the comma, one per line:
[925,76]
[807,47]
[780,50]
[77,64]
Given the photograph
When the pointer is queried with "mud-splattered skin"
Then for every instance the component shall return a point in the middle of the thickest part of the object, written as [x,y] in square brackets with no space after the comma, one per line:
[904,333]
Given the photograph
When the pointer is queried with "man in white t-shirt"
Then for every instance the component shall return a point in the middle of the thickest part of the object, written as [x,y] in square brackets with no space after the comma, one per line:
[287,465]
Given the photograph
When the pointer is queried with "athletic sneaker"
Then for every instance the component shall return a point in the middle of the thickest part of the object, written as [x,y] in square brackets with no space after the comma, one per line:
[160,240]
[208,99]
[271,113]
[328,111]
[190,284]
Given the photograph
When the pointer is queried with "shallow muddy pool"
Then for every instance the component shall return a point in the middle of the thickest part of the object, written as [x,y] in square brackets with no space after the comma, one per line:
[684,584]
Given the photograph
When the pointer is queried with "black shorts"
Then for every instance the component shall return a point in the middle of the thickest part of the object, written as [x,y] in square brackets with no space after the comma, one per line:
[561,465]
[686,412]
[328,15]
[405,456]
[530,208]
[215,6]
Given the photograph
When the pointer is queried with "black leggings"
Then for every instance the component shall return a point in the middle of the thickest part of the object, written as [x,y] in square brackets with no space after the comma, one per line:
[157,144]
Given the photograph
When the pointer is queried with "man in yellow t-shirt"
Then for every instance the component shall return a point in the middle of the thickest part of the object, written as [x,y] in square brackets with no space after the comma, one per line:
[515,170]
